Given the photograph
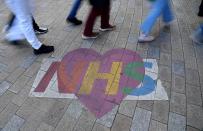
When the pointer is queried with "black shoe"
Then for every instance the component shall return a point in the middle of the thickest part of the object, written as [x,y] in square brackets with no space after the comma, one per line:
[74,21]
[44,49]
[41,30]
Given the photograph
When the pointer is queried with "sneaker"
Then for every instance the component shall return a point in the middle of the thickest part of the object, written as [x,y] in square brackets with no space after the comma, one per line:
[41,30]
[145,38]
[74,21]
[94,35]
[197,37]
[43,50]
[109,28]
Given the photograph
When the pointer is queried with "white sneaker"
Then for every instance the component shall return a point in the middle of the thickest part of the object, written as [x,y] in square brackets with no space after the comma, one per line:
[41,30]
[145,38]
[94,35]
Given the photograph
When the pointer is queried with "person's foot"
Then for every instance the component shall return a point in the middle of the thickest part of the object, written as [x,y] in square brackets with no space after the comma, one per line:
[94,35]
[5,29]
[168,24]
[43,50]
[74,21]
[145,38]
[41,30]
[197,37]
[108,28]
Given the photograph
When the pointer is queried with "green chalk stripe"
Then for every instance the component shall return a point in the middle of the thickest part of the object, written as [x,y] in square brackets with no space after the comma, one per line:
[127,90]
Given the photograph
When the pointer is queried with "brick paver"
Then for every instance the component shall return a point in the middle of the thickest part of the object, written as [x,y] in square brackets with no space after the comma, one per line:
[180,63]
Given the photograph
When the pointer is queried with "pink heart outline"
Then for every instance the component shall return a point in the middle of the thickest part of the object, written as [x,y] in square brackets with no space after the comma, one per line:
[97,102]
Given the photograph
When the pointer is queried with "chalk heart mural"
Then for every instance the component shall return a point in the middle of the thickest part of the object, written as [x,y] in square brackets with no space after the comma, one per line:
[100,82]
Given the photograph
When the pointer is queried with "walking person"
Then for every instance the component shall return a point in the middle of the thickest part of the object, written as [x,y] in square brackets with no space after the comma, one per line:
[159,7]
[22,27]
[72,15]
[99,8]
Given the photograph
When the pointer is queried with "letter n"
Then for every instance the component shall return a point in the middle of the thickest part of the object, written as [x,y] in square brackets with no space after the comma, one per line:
[65,84]
[43,84]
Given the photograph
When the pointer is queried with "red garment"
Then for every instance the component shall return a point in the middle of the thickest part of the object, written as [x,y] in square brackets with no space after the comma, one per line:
[94,13]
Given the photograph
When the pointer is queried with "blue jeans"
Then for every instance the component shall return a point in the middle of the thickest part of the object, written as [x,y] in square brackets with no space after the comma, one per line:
[201,26]
[74,9]
[160,7]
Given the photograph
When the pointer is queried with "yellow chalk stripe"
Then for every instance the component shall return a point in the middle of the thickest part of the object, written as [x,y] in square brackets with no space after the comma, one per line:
[92,74]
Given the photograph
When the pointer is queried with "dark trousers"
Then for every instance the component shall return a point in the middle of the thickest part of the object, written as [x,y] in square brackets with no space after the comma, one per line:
[94,13]
[201,9]
[12,18]
[74,9]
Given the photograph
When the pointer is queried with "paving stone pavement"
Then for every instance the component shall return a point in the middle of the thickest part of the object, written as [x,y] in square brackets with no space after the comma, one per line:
[180,69]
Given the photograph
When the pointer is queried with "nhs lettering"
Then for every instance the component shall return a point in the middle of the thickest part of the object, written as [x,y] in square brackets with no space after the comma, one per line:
[82,71]
[100,81]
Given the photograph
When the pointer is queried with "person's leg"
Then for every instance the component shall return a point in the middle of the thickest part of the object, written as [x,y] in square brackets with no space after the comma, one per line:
[13,34]
[11,20]
[105,17]
[201,9]
[12,17]
[23,15]
[167,12]
[21,10]
[38,30]
[90,22]
[197,35]
[35,25]
[153,15]
[74,9]
[72,15]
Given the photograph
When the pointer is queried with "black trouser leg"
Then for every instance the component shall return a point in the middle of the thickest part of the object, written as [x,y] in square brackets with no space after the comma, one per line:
[201,9]
[35,26]
[11,20]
